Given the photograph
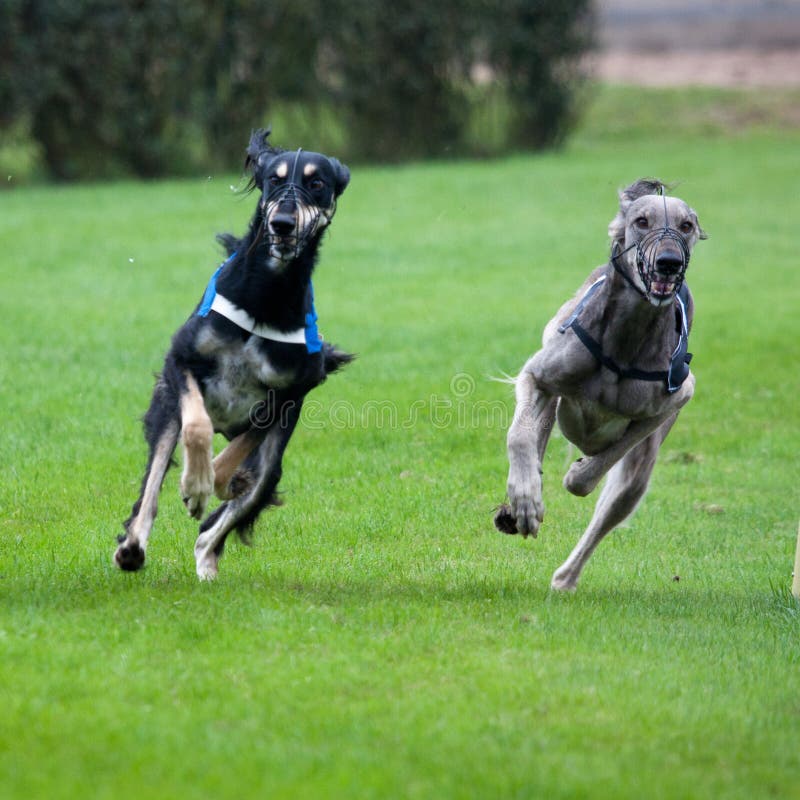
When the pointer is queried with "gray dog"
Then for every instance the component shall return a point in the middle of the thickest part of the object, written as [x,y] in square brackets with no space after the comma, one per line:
[613,369]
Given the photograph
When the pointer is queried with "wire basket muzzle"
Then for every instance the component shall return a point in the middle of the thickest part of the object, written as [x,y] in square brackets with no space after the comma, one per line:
[659,243]
[287,204]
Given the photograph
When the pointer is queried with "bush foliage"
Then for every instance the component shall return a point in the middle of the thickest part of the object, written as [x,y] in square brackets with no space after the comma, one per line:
[152,87]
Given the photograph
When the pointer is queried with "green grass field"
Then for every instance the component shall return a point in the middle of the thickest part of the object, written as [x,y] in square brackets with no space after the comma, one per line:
[380,639]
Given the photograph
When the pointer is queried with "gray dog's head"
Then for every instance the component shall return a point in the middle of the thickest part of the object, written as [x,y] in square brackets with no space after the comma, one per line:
[652,239]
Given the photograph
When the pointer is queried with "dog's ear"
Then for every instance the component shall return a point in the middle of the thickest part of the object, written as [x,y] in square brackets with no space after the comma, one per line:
[258,144]
[640,188]
[616,228]
[701,234]
[342,174]
[258,148]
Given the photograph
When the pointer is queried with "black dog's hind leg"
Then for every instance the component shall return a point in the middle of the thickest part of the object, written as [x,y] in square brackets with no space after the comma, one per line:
[162,428]
[228,479]
[264,465]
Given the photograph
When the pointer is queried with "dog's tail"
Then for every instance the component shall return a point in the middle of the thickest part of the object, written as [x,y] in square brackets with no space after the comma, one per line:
[333,358]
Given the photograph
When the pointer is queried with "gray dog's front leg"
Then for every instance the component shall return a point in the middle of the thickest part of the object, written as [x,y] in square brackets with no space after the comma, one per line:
[527,439]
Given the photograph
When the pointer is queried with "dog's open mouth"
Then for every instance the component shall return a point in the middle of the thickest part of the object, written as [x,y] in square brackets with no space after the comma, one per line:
[661,287]
[282,247]
[662,259]
[290,221]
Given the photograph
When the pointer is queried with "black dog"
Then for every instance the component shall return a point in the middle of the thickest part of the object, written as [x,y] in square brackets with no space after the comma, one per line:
[243,362]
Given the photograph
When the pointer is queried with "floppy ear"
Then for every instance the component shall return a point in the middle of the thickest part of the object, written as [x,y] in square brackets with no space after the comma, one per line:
[342,174]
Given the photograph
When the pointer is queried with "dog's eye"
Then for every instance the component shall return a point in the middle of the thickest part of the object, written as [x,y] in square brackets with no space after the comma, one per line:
[640,222]
[273,180]
[316,184]
[686,227]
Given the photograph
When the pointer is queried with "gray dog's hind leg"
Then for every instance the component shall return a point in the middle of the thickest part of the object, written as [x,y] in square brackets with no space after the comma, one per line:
[584,475]
[625,487]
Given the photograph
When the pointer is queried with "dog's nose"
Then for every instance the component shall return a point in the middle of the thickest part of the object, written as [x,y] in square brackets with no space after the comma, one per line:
[282,224]
[669,263]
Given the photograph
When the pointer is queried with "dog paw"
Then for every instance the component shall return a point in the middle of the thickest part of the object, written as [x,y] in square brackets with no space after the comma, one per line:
[525,509]
[207,573]
[207,568]
[195,504]
[523,513]
[195,491]
[504,520]
[129,557]
[582,477]
[564,580]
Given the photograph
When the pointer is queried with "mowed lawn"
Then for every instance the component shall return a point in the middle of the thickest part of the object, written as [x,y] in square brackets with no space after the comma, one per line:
[380,639]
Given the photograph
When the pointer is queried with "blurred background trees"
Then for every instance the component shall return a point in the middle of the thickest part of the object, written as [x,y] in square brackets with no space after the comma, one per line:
[102,88]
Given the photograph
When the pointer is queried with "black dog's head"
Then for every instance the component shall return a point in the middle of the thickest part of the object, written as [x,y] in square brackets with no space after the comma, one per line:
[298,194]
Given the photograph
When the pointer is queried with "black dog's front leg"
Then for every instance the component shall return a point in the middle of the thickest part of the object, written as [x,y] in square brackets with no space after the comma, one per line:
[264,464]
[162,425]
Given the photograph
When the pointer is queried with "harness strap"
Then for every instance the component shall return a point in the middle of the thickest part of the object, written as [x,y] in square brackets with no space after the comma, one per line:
[238,316]
[581,304]
[211,292]
[313,337]
[214,301]
[679,360]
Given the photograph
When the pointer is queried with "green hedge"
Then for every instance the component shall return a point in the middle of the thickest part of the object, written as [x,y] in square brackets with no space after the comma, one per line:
[153,87]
